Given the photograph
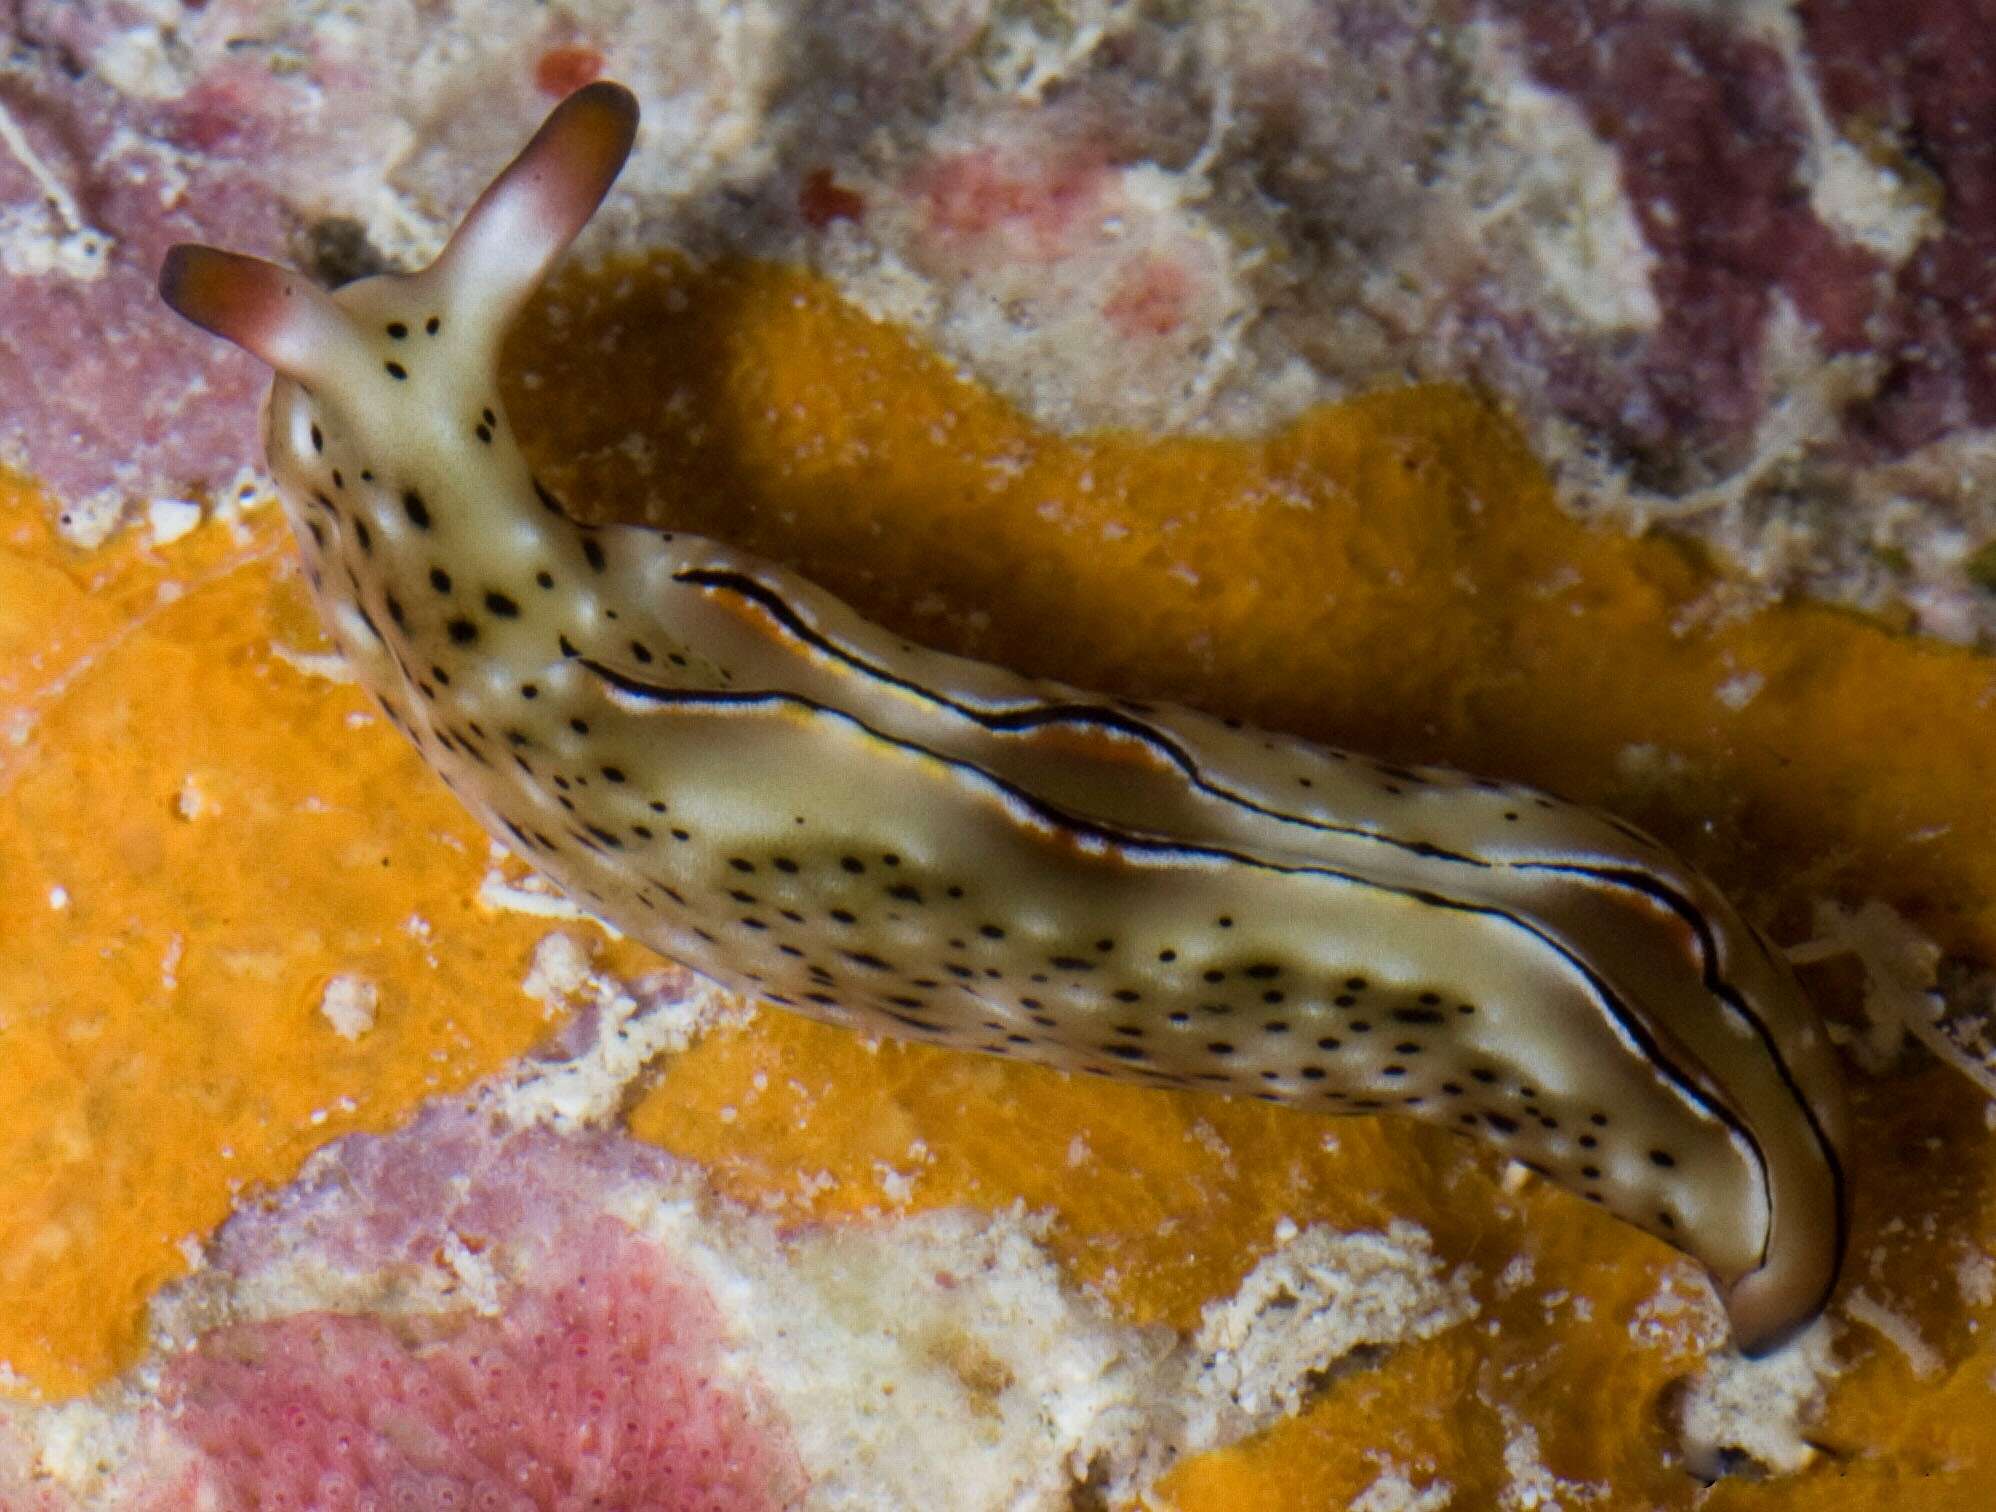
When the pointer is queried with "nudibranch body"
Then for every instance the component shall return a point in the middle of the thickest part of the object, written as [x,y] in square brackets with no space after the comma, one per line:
[730,765]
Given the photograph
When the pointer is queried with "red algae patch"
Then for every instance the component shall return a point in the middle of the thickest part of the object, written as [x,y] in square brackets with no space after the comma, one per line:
[596,1385]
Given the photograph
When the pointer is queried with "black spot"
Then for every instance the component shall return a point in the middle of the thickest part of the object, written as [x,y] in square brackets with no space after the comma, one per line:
[396,330]
[484,433]
[1592,1173]
[396,371]
[1219,1047]
[612,774]
[567,647]
[417,511]
[592,553]
[395,611]
[1416,1016]
[991,931]
[1662,1158]
[1484,1076]
[1225,921]
[440,675]
[906,892]
[641,651]
[462,631]
[440,580]
[501,605]
[318,440]
[1407,1047]
[1500,1123]
[580,726]
[339,482]
[545,579]
[433,325]
[528,690]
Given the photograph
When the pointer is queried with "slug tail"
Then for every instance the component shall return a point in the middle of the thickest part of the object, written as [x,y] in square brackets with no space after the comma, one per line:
[537,206]
[266,310]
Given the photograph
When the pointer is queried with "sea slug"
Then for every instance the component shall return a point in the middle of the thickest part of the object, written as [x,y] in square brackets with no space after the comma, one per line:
[729,764]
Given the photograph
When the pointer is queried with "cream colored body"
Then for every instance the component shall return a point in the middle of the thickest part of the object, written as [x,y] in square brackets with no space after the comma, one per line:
[727,763]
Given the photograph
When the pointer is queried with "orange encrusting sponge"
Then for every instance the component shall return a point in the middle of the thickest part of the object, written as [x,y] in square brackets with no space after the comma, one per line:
[229,834]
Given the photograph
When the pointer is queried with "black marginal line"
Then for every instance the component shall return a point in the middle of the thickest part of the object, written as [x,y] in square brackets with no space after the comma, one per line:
[1635,1035]
[773,603]
[1708,949]
[1013,721]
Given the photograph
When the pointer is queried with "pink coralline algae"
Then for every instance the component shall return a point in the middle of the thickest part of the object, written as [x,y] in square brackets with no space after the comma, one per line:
[594,1373]
[989,206]
[1710,142]
[101,399]
[595,1387]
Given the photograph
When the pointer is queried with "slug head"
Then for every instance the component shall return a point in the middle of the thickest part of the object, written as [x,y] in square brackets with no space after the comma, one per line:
[352,342]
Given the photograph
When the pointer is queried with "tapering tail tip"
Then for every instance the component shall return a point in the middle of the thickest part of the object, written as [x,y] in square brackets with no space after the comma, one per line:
[1769,1306]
